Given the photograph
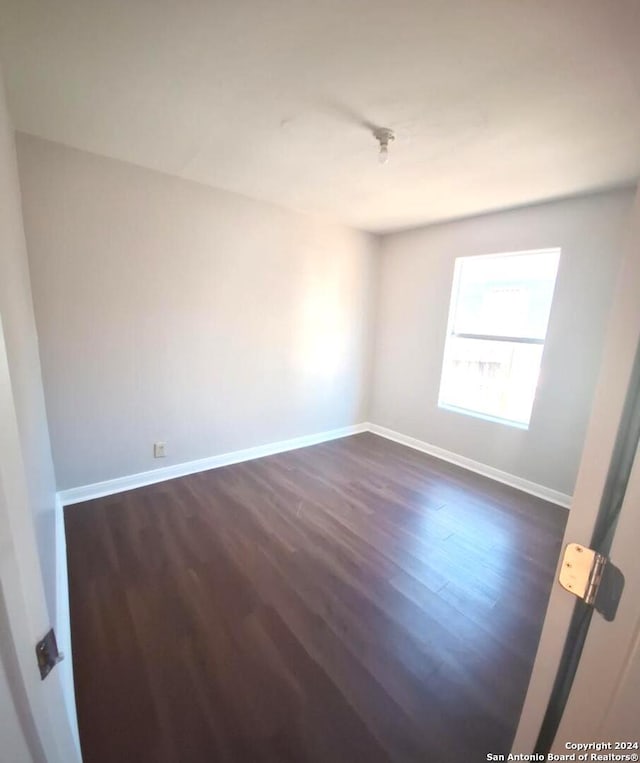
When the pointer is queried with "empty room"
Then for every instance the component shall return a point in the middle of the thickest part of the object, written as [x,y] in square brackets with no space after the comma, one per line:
[319,381]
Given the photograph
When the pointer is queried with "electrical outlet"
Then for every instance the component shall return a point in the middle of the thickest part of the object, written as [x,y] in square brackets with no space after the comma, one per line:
[159,449]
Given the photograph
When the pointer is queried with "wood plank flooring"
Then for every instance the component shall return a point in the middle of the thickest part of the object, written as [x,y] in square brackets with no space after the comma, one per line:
[351,601]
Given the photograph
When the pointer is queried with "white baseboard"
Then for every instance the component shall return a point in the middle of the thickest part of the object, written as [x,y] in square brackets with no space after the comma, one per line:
[63,624]
[553,496]
[118,485]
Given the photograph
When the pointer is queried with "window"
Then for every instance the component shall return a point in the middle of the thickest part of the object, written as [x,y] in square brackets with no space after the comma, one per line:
[498,319]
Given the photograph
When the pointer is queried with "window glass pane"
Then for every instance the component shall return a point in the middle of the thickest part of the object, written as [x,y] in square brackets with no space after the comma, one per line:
[505,295]
[492,378]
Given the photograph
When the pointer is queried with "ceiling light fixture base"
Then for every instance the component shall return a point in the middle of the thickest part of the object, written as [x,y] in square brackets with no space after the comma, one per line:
[384,136]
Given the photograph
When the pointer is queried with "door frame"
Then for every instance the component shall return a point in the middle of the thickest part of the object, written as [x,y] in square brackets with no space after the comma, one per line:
[609,666]
[622,339]
[40,705]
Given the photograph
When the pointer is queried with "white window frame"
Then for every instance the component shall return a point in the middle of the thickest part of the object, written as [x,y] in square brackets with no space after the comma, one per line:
[453,303]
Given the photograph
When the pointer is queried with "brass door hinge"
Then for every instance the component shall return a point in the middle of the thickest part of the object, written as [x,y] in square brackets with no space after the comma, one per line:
[581,571]
[591,577]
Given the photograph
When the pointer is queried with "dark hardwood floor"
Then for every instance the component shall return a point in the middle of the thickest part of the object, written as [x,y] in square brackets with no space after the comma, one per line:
[352,601]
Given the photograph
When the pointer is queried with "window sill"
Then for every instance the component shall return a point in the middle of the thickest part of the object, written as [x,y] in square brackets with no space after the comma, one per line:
[484,416]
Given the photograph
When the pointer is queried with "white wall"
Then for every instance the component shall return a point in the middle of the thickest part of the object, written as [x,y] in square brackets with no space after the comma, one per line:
[415,278]
[171,311]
